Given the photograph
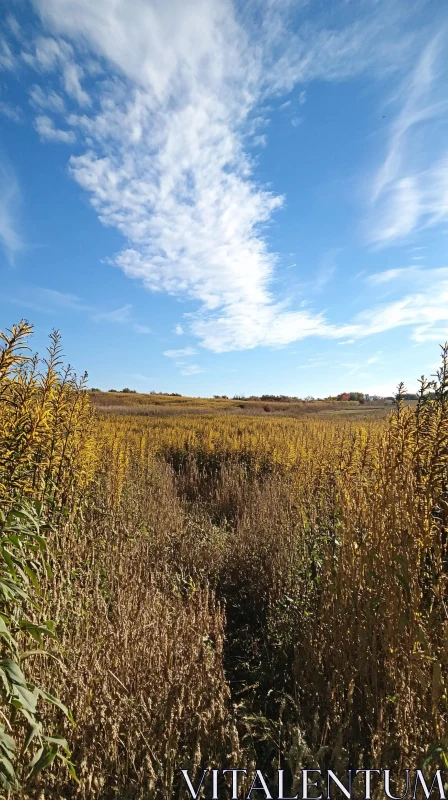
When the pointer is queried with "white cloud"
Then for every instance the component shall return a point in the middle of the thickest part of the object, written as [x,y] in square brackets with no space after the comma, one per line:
[302,98]
[47,53]
[119,315]
[46,100]
[392,274]
[423,309]
[14,113]
[326,269]
[10,201]
[178,330]
[247,325]
[7,60]
[14,26]
[73,74]
[48,133]
[191,369]
[429,333]
[60,299]
[260,141]
[165,137]
[415,275]
[186,351]
[138,377]
[189,210]
[51,301]
[410,189]
[48,301]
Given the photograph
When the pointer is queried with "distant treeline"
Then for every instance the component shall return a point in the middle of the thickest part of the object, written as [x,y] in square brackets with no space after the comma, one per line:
[134,391]
[359,397]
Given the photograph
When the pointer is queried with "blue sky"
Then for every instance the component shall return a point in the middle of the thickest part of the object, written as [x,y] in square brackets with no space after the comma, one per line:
[208,196]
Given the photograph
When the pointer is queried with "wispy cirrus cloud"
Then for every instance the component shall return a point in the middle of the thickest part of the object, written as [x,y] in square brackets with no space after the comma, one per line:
[423,307]
[185,351]
[416,275]
[410,188]
[191,369]
[431,333]
[185,367]
[388,275]
[119,315]
[11,238]
[122,316]
[50,301]
[46,301]
[165,137]
[164,147]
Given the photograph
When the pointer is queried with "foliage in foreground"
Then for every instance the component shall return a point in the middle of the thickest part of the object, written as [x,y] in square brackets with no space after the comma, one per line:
[43,417]
[26,747]
[251,591]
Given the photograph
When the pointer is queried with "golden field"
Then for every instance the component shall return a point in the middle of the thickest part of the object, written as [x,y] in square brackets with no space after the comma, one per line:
[171,405]
[215,587]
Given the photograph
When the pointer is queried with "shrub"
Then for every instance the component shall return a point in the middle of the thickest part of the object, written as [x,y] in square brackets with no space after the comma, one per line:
[46,462]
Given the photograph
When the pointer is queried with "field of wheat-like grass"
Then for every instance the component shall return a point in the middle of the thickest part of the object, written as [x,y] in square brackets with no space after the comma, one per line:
[225,589]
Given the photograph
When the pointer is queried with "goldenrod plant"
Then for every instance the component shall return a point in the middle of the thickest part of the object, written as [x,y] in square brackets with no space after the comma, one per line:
[228,588]
[46,448]
[44,464]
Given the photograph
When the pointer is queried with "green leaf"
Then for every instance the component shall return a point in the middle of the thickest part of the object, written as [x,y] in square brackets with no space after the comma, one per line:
[26,697]
[56,702]
[71,769]
[9,562]
[36,631]
[32,577]
[32,732]
[7,744]
[59,740]
[13,671]
[39,652]
[7,768]
[46,758]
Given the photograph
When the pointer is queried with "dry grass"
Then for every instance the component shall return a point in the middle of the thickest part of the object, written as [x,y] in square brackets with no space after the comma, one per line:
[238,590]
[167,405]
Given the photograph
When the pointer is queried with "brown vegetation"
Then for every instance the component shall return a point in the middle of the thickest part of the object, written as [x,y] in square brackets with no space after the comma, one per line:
[240,590]
[168,405]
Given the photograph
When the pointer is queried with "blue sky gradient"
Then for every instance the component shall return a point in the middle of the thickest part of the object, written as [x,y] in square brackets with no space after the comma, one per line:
[215,197]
